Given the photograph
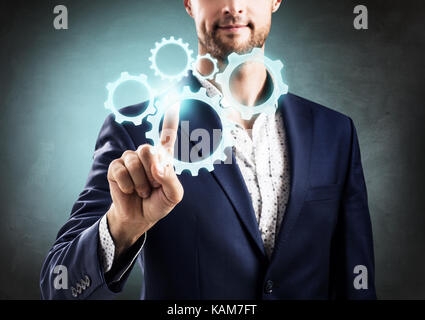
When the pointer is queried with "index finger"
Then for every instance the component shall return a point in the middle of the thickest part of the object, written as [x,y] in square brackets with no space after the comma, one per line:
[170,125]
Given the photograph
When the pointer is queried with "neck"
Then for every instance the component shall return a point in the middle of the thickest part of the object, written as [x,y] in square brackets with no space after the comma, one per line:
[248,85]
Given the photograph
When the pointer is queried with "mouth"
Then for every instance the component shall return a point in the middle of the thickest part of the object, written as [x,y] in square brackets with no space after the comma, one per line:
[233,27]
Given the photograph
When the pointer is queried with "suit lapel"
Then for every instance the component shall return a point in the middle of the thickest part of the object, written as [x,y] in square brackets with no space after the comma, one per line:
[298,124]
[231,181]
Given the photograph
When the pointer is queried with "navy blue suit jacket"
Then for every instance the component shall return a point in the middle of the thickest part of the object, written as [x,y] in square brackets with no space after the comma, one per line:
[209,246]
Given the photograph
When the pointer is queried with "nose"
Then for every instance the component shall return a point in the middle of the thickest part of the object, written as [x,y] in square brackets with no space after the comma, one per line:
[234,7]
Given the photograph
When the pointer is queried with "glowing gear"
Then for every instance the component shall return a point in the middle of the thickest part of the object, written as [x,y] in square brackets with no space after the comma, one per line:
[214,63]
[159,46]
[109,104]
[226,137]
[273,67]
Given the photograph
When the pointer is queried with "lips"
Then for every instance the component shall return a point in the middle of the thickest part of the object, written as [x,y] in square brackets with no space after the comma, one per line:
[233,28]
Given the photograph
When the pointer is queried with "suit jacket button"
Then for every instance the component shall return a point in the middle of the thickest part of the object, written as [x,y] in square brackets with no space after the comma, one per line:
[268,288]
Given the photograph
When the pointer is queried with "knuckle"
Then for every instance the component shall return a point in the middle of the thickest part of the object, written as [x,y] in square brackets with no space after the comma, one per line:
[126,153]
[126,187]
[120,173]
[146,151]
[133,164]
[111,168]
[113,164]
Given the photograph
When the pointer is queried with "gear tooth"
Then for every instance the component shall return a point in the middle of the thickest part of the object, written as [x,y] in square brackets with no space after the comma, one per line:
[210,166]
[194,173]
[186,90]
[119,118]
[109,86]
[151,109]
[149,135]
[232,56]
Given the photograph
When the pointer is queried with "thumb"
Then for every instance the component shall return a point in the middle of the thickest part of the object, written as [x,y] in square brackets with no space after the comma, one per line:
[165,175]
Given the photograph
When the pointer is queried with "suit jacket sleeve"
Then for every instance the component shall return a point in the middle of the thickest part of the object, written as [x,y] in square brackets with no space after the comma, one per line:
[77,243]
[352,267]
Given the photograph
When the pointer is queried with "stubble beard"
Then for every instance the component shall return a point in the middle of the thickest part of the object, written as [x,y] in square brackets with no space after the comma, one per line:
[220,49]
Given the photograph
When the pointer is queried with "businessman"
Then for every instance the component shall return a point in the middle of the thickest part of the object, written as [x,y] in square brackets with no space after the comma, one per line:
[287,218]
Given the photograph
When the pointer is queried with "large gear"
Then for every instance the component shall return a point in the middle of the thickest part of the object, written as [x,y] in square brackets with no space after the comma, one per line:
[109,104]
[214,63]
[273,67]
[226,137]
[163,43]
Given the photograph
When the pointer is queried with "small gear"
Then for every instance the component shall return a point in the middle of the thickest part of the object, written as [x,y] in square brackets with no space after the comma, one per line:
[226,137]
[214,63]
[163,43]
[273,67]
[109,103]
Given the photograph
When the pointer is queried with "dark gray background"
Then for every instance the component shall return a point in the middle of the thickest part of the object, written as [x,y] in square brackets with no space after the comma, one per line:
[53,88]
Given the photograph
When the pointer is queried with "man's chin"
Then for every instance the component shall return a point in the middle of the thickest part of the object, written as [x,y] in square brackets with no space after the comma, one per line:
[237,46]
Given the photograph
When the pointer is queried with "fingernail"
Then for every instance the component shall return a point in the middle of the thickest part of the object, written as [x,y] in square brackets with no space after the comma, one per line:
[144,195]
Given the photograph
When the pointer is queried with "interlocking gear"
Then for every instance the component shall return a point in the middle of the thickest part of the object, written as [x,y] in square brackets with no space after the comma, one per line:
[214,63]
[163,43]
[109,104]
[273,67]
[226,137]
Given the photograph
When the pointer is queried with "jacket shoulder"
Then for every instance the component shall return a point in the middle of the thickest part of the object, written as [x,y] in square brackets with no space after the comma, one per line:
[328,124]
[317,109]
